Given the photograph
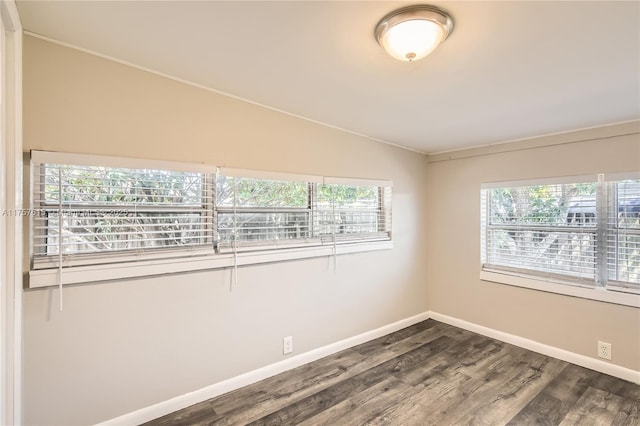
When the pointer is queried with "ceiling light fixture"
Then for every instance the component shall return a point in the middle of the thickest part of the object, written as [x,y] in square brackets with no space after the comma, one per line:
[412,32]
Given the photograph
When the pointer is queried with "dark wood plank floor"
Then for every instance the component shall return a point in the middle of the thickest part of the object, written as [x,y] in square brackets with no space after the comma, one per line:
[427,374]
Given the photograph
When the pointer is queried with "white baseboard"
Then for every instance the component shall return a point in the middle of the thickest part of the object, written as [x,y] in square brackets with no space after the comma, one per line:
[572,357]
[169,406]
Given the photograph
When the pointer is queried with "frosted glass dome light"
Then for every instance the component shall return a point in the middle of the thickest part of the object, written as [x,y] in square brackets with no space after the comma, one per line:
[411,33]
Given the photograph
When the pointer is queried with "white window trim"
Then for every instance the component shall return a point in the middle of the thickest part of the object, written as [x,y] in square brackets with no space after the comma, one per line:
[571,288]
[133,269]
[132,265]
[600,294]
[11,282]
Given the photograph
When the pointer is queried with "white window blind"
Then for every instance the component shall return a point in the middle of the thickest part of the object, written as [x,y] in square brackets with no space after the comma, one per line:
[585,232]
[280,210]
[547,230]
[90,214]
[96,217]
[254,212]
[623,242]
[353,212]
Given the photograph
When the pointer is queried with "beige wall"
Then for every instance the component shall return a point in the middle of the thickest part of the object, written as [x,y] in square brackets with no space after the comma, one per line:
[121,346]
[453,229]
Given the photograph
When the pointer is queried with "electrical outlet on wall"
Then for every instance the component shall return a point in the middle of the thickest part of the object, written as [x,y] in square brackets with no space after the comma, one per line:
[604,350]
[287,345]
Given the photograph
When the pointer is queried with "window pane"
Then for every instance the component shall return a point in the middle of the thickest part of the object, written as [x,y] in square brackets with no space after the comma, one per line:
[568,253]
[105,209]
[624,239]
[548,205]
[349,209]
[348,196]
[261,193]
[263,226]
[105,231]
[261,210]
[543,228]
[111,186]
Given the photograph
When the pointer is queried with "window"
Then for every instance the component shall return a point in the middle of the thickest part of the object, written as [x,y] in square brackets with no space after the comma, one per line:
[548,229]
[347,212]
[254,212]
[97,218]
[257,212]
[581,231]
[623,236]
[101,214]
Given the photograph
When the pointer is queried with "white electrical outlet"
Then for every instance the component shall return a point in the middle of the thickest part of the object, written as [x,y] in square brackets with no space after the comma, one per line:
[287,345]
[604,350]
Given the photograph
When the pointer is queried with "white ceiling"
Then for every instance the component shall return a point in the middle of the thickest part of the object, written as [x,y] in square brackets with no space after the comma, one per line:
[509,70]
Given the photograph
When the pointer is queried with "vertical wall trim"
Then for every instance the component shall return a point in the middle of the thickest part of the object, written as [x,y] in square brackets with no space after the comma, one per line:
[3,233]
[11,273]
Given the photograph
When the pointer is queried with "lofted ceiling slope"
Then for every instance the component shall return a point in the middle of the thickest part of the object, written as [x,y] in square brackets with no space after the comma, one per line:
[509,70]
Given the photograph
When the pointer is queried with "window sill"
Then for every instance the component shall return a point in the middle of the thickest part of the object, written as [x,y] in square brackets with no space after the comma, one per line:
[592,293]
[136,269]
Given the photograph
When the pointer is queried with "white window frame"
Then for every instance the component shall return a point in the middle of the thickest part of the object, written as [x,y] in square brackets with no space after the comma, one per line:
[172,261]
[594,290]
